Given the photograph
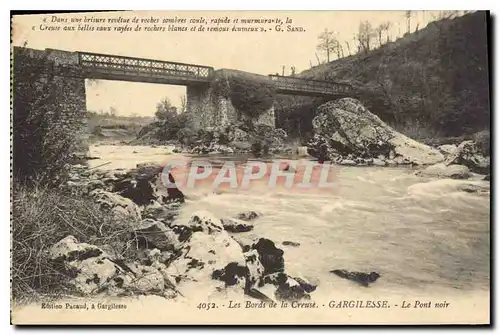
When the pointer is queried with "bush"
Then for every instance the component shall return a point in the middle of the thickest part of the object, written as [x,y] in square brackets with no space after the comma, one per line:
[251,96]
[168,121]
[44,141]
[42,217]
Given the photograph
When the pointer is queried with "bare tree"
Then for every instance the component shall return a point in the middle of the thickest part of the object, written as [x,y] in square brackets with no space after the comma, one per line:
[385,27]
[292,71]
[183,103]
[448,14]
[365,35]
[317,58]
[379,30]
[348,47]
[327,43]
[408,14]
[310,64]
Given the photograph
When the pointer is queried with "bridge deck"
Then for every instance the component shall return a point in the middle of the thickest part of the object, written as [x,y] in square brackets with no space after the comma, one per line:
[100,66]
[111,67]
[310,87]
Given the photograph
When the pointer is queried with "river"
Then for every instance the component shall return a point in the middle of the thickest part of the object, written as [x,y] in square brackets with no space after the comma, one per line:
[422,235]
[429,241]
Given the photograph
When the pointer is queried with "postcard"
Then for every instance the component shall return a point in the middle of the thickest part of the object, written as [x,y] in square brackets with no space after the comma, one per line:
[250,168]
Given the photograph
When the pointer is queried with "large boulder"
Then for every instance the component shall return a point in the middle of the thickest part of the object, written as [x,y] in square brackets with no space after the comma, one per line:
[203,253]
[69,249]
[448,149]
[118,205]
[154,234]
[92,271]
[347,127]
[469,154]
[270,256]
[442,170]
[282,287]
[206,222]
[141,185]
[159,211]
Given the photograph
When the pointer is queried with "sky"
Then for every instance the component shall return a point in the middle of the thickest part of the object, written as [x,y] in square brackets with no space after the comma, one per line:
[257,52]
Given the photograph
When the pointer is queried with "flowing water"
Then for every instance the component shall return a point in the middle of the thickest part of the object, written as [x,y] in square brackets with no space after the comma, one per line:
[422,235]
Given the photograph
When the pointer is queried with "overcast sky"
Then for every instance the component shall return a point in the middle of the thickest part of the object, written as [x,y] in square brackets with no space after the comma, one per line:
[262,52]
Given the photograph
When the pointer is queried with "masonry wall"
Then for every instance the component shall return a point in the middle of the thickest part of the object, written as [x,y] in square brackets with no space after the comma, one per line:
[63,89]
[208,106]
[207,109]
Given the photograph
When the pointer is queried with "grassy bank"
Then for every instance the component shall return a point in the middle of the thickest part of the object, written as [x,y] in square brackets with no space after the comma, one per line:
[43,216]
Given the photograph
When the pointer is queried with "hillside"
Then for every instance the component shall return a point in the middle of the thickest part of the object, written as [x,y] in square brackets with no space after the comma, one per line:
[431,83]
[106,127]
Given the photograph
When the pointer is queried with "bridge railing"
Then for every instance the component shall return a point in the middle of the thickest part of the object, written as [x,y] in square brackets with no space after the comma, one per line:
[310,85]
[143,66]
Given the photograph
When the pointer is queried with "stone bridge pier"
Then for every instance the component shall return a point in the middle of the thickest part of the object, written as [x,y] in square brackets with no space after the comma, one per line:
[209,106]
[54,71]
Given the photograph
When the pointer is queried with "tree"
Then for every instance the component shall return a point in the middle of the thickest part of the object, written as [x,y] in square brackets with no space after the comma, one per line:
[328,43]
[365,35]
[387,28]
[112,111]
[384,28]
[165,110]
[317,59]
[379,31]
[340,50]
[348,47]
[408,20]
[292,71]
[169,121]
[183,103]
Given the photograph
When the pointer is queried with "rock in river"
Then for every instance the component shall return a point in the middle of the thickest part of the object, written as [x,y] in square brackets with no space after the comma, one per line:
[236,226]
[248,216]
[347,127]
[441,170]
[361,278]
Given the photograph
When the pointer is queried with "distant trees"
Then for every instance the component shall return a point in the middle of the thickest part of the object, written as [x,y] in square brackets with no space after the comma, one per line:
[408,14]
[384,27]
[447,14]
[165,110]
[365,36]
[368,36]
[168,120]
[328,43]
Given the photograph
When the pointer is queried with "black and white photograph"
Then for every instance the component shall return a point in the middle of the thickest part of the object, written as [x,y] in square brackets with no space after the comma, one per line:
[251,167]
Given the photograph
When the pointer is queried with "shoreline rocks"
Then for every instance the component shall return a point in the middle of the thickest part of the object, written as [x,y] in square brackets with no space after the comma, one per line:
[165,256]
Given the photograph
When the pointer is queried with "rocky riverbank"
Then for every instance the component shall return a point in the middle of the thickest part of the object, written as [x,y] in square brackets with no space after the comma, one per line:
[162,253]
[347,133]
[166,254]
